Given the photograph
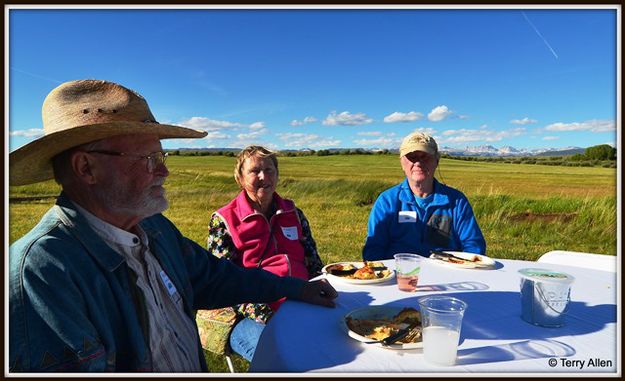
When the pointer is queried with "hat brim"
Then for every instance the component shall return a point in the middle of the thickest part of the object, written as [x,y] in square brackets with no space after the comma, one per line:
[32,162]
[422,148]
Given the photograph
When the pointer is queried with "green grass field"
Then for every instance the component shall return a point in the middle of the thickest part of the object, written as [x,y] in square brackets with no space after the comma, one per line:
[523,210]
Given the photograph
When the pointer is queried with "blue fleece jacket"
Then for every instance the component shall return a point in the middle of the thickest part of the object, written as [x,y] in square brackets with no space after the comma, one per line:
[398,225]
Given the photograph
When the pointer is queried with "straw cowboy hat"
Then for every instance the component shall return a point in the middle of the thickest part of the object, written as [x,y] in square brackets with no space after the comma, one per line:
[84,111]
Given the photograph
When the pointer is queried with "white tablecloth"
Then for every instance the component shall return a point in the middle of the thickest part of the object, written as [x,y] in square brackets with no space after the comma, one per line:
[494,339]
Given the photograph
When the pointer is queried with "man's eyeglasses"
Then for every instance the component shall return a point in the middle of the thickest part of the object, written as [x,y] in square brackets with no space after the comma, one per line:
[153,159]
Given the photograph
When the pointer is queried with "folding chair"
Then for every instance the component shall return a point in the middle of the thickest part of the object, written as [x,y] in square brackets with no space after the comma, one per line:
[578,259]
[214,327]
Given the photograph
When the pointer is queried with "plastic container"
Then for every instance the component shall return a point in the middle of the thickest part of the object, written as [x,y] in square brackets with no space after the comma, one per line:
[545,296]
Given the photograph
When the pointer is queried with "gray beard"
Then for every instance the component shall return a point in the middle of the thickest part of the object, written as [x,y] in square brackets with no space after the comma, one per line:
[118,201]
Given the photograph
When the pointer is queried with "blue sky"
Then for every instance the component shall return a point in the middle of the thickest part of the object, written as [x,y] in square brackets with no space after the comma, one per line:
[326,78]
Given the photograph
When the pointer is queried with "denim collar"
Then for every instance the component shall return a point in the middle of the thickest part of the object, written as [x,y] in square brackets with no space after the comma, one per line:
[79,227]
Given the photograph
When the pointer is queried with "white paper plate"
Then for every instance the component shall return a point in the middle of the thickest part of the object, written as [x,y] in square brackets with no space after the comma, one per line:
[376,313]
[331,277]
[484,262]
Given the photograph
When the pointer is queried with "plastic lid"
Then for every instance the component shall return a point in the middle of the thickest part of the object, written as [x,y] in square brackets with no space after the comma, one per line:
[545,275]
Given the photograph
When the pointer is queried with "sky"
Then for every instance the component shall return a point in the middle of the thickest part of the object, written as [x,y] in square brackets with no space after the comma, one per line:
[530,78]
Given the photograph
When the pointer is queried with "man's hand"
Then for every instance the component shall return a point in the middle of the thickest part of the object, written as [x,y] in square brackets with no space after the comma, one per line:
[319,292]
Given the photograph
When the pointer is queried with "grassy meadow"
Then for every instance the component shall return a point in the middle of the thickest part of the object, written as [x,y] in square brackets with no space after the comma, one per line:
[523,210]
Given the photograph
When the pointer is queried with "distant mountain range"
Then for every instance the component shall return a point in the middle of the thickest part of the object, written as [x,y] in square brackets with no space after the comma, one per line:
[482,150]
[488,150]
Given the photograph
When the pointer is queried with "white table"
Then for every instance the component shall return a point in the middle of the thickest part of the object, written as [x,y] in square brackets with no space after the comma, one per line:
[494,339]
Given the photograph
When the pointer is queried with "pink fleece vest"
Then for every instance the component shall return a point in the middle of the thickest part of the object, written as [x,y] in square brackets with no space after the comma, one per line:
[273,245]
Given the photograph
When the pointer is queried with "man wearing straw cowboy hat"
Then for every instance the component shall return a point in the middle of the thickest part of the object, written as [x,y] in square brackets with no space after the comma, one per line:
[104,282]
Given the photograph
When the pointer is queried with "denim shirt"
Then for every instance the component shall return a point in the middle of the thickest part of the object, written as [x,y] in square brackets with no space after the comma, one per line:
[74,304]
[397,224]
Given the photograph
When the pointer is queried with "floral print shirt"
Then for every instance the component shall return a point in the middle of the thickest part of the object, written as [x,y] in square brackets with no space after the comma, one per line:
[220,244]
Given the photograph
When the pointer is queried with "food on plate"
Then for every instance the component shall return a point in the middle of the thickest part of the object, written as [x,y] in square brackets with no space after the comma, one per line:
[366,271]
[455,259]
[379,329]
[345,267]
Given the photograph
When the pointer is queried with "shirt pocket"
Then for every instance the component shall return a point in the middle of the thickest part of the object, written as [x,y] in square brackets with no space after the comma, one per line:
[438,231]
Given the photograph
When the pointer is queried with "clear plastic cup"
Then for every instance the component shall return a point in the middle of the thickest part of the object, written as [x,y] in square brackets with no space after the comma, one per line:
[441,319]
[407,268]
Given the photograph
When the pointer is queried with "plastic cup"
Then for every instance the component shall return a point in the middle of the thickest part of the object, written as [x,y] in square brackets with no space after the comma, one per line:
[441,319]
[407,267]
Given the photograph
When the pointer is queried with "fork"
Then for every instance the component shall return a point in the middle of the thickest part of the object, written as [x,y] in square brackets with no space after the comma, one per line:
[408,332]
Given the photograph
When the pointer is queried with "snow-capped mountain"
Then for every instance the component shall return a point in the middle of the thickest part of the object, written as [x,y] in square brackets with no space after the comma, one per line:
[488,150]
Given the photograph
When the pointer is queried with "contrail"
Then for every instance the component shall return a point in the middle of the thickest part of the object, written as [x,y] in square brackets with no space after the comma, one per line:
[540,35]
[36,75]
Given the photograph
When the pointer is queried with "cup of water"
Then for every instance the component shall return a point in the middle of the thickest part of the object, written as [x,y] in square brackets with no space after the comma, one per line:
[407,267]
[441,318]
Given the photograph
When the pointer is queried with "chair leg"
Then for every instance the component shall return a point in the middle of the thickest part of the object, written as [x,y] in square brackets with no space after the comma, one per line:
[229,361]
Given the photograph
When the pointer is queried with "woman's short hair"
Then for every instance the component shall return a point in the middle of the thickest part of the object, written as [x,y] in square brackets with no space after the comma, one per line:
[250,151]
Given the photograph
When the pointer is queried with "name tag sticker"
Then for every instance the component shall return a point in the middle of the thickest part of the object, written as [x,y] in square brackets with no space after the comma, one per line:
[407,216]
[168,284]
[290,232]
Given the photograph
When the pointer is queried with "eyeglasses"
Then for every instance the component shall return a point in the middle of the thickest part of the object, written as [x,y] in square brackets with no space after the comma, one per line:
[153,159]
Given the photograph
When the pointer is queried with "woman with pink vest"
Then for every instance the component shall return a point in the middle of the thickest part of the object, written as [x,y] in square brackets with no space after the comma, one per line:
[258,228]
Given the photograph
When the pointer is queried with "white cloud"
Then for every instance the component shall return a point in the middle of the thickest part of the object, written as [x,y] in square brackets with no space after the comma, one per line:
[252,135]
[300,140]
[523,121]
[551,138]
[380,142]
[200,122]
[257,125]
[346,119]
[589,125]
[306,120]
[369,133]
[425,130]
[403,117]
[439,113]
[30,133]
[216,135]
[467,135]
[212,125]
[463,117]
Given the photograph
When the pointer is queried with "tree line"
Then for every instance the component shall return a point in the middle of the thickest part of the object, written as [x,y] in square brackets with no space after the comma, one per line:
[602,155]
